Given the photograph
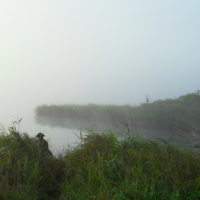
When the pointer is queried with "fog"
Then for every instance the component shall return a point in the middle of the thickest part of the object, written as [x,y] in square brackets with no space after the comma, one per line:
[102,52]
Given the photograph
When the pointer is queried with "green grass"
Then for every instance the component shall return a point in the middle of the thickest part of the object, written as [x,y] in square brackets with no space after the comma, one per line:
[159,114]
[100,167]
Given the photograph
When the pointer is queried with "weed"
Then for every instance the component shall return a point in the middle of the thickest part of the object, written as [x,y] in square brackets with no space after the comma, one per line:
[100,167]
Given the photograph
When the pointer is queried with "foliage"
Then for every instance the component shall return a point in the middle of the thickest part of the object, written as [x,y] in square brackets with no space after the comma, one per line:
[104,168]
[157,114]
[100,167]
[24,172]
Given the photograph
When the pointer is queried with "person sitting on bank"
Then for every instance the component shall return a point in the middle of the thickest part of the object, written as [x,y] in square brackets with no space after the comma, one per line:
[43,144]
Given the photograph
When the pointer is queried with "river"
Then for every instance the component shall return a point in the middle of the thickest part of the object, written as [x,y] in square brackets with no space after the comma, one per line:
[58,138]
[61,138]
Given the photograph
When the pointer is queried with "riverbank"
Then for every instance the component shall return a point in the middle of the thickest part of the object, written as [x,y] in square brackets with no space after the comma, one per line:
[160,114]
[100,167]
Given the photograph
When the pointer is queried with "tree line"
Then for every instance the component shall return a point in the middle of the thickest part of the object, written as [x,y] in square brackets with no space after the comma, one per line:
[158,114]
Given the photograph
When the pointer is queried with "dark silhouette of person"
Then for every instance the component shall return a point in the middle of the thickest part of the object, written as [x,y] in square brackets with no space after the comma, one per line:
[43,144]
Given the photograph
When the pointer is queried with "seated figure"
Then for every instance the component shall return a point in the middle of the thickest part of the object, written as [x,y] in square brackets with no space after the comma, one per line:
[43,144]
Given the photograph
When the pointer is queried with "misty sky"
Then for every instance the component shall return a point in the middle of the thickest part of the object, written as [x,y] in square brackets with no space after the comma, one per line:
[103,52]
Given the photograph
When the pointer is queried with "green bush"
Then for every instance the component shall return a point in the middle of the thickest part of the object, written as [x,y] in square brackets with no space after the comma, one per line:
[158,114]
[100,167]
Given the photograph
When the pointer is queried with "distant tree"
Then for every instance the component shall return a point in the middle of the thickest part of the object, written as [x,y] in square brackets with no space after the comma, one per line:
[147,99]
[198,92]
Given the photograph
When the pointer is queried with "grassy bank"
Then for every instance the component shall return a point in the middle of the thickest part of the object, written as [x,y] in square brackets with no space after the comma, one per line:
[158,114]
[100,167]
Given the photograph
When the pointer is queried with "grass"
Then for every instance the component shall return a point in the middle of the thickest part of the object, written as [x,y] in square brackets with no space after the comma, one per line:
[159,114]
[100,167]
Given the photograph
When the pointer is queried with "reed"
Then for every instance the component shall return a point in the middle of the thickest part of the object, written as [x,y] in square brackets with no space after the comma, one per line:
[100,167]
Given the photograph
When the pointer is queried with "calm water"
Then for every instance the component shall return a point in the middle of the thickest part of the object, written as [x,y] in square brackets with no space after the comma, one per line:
[59,138]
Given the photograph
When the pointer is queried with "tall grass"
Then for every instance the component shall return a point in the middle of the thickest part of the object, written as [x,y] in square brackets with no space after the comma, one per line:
[24,172]
[156,114]
[100,167]
[105,168]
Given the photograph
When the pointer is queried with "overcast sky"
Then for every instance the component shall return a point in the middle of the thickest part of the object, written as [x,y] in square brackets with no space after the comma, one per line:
[103,52]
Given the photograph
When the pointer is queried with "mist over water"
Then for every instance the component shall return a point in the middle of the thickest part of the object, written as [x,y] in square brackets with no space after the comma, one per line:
[58,138]
[108,52]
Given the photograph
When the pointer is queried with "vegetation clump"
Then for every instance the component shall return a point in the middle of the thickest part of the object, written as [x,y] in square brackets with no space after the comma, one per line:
[157,114]
[106,168]
[25,173]
[100,167]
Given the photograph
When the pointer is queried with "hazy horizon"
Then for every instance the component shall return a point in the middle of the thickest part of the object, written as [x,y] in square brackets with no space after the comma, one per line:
[102,52]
